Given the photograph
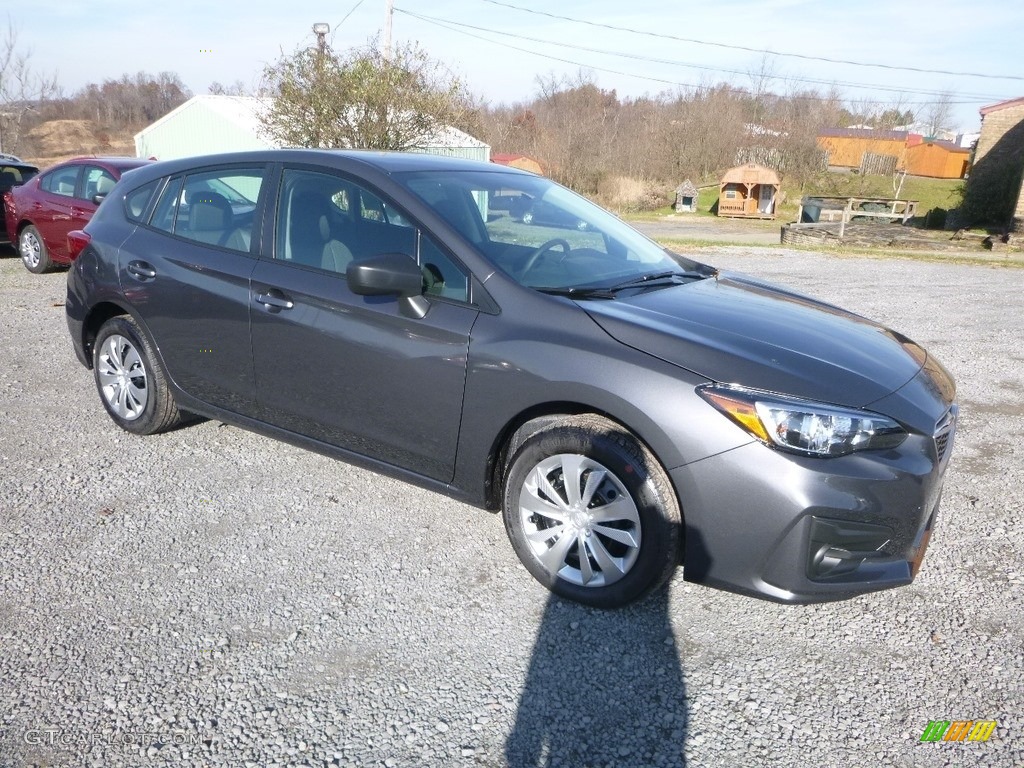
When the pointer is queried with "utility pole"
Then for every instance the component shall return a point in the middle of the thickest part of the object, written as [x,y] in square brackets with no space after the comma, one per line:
[389,11]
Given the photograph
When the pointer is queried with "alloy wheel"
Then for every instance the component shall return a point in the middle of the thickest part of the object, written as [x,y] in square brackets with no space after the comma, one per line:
[31,249]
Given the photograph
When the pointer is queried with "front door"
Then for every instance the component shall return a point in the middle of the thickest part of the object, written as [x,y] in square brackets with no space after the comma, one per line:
[766,199]
[354,371]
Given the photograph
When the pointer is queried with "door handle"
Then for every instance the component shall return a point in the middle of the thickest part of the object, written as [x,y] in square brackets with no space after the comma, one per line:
[274,298]
[141,270]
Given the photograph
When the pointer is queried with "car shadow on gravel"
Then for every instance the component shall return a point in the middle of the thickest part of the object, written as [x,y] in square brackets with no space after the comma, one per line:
[604,688]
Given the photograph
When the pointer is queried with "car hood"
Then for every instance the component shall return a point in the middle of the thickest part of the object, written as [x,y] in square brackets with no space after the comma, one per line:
[738,330]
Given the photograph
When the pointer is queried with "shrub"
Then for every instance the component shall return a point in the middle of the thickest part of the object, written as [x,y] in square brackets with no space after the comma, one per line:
[631,195]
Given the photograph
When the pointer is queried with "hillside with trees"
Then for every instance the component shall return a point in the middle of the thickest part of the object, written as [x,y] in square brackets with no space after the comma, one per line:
[626,152]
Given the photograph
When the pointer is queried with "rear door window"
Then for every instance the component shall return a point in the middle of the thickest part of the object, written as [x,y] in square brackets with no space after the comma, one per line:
[213,207]
[61,181]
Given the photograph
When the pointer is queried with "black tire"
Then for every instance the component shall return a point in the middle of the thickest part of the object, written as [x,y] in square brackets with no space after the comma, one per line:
[583,446]
[130,380]
[33,251]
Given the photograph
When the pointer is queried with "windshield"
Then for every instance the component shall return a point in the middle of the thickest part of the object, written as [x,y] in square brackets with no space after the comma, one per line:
[542,234]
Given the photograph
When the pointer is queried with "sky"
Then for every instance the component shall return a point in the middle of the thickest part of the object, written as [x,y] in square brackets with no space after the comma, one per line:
[904,54]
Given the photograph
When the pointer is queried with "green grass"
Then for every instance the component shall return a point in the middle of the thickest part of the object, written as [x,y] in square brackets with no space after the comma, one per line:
[930,193]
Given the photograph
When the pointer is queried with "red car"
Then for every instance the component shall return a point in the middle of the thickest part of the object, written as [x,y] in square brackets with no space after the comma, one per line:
[40,213]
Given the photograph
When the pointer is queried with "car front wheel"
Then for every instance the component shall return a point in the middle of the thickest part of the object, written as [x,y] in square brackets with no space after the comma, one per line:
[131,383]
[591,513]
[33,251]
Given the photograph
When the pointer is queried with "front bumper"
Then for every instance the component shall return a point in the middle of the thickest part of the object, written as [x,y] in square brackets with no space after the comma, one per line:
[802,530]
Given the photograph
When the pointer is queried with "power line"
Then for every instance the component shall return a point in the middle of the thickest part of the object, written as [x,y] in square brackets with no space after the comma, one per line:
[806,57]
[974,98]
[354,8]
[445,24]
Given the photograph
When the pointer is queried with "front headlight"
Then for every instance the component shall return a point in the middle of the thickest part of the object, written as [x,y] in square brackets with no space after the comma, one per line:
[801,426]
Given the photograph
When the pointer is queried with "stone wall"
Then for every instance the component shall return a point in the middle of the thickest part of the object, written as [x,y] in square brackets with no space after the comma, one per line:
[993,192]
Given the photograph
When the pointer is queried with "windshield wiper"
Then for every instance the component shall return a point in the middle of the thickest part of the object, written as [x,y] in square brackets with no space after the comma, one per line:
[656,279]
[579,293]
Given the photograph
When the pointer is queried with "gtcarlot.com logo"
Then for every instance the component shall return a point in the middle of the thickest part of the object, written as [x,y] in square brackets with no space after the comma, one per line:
[958,730]
[59,737]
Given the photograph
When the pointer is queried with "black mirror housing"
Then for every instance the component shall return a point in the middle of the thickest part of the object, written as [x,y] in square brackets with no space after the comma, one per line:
[386,274]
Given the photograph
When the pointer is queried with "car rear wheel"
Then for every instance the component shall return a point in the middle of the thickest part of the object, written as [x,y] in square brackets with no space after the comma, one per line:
[590,512]
[33,251]
[131,383]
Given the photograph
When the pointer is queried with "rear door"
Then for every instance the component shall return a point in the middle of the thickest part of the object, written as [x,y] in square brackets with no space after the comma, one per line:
[187,273]
[354,371]
[53,211]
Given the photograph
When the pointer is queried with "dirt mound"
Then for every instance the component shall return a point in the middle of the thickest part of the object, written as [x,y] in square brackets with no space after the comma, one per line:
[57,140]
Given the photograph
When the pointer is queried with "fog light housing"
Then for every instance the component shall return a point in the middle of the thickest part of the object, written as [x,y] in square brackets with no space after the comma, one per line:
[839,547]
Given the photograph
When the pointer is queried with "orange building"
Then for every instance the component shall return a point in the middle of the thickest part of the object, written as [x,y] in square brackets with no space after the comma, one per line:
[846,146]
[522,162]
[937,159]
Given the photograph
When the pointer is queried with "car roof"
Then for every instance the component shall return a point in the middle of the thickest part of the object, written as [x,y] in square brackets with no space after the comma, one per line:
[385,162]
[117,162]
[20,165]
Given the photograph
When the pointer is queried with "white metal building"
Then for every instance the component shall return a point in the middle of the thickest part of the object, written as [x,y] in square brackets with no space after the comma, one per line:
[211,124]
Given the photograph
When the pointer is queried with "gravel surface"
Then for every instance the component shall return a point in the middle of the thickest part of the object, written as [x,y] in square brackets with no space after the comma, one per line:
[212,597]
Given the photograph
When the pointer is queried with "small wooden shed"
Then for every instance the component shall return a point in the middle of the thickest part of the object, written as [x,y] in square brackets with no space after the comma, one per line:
[749,191]
[686,198]
[938,160]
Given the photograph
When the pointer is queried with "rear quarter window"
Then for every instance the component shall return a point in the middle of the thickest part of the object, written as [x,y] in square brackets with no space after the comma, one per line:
[136,202]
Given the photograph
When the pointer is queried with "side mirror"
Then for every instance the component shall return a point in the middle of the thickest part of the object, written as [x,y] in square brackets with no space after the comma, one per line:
[98,198]
[390,274]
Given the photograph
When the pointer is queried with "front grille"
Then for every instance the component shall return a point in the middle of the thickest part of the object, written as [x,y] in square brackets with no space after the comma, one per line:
[944,433]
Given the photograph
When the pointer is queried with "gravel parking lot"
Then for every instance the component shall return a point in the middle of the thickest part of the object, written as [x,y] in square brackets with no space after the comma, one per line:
[212,597]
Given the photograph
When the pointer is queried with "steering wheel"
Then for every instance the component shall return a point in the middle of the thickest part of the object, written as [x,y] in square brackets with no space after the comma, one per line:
[531,260]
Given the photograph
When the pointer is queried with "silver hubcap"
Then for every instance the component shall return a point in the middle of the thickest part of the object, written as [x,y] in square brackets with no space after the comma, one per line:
[122,378]
[580,520]
[30,248]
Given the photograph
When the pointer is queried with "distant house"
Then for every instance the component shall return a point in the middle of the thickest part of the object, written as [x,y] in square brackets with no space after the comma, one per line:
[749,191]
[994,193]
[210,124]
[521,162]
[927,131]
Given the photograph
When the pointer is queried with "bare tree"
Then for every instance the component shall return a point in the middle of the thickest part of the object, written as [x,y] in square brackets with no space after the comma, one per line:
[761,77]
[236,89]
[939,113]
[21,88]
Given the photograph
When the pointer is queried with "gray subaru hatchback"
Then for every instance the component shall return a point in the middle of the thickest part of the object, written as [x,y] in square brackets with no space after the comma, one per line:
[625,408]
